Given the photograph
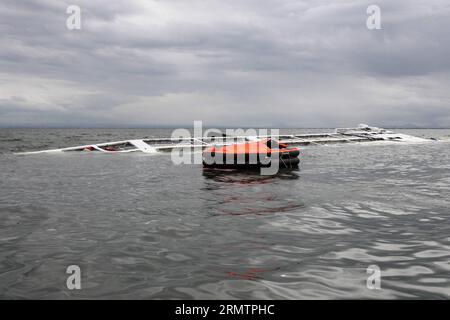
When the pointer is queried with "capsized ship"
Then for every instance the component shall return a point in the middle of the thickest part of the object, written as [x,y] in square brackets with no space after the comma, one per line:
[362,133]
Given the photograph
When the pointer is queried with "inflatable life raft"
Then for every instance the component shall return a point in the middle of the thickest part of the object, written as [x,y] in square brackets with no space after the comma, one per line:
[251,155]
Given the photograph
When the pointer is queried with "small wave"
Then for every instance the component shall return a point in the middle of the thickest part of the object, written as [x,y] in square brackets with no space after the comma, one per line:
[11,140]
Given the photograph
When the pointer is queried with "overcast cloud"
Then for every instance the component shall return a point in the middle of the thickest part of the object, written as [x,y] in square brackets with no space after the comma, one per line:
[265,63]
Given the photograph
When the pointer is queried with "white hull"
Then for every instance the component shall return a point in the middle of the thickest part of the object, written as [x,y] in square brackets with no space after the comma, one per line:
[363,133]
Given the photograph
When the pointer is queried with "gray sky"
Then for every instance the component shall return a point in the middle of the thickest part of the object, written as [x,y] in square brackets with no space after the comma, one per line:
[263,63]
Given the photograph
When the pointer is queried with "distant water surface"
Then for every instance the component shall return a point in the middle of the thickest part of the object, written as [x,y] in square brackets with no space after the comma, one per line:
[140,227]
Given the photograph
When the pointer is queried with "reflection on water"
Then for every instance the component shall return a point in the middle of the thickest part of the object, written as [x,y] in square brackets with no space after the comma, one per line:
[259,194]
[248,177]
[140,227]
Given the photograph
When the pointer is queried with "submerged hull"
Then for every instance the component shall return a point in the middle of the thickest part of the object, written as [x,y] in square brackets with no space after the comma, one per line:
[360,134]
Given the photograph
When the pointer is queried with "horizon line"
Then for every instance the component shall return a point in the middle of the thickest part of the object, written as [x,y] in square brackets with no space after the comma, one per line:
[212,126]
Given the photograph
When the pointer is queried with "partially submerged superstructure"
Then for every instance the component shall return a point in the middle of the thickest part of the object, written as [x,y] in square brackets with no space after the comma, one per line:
[362,133]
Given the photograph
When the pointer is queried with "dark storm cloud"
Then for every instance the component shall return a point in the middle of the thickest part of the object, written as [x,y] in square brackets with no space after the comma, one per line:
[235,63]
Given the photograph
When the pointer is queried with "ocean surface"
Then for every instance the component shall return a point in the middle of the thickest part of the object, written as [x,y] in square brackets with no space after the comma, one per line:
[141,227]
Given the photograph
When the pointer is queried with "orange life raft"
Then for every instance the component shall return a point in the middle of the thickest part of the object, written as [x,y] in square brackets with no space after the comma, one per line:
[251,154]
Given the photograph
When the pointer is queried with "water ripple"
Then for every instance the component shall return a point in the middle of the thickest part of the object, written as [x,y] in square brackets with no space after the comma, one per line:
[140,227]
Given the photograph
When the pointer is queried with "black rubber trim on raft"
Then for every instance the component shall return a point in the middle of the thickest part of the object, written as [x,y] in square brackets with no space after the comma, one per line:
[282,163]
[220,155]
[290,154]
